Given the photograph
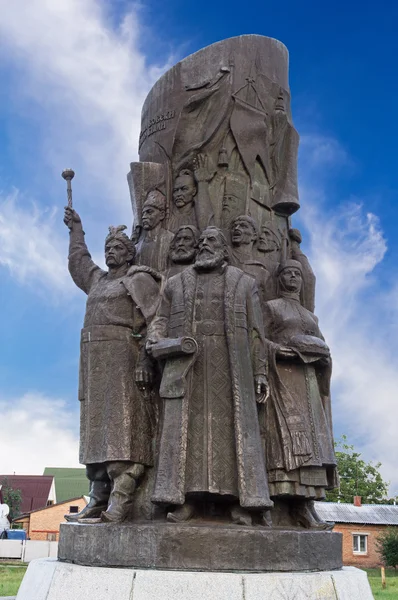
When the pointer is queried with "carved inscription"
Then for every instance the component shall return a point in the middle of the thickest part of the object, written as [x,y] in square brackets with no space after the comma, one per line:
[158,123]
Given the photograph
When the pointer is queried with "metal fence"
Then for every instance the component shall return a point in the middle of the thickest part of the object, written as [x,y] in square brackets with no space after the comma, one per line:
[27,550]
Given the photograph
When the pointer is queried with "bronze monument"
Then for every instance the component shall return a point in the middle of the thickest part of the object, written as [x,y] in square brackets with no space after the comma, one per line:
[205,380]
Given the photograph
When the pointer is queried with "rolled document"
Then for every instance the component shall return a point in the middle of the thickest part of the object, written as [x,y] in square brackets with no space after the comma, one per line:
[174,347]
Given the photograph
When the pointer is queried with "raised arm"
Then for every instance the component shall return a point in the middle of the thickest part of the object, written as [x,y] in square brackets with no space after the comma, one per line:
[82,268]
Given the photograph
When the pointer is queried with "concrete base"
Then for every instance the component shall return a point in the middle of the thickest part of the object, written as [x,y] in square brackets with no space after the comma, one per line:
[49,579]
[191,547]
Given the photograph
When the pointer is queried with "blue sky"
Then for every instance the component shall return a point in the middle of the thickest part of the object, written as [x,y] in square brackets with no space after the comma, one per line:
[72,85]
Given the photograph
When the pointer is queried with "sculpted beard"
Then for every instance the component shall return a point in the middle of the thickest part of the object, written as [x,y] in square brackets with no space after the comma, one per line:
[208,259]
[182,255]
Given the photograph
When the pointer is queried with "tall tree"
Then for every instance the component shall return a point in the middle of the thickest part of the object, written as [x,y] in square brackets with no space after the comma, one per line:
[11,497]
[387,546]
[357,477]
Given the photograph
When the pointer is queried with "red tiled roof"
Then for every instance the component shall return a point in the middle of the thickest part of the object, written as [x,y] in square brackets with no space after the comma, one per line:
[35,489]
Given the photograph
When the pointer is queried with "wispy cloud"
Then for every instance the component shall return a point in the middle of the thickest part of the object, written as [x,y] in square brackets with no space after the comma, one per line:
[30,247]
[89,79]
[346,249]
[318,150]
[37,431]
[85,82]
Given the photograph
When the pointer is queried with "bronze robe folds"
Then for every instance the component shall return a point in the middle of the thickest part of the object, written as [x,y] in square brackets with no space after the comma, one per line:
[213,433]
[115,420]
[296,421]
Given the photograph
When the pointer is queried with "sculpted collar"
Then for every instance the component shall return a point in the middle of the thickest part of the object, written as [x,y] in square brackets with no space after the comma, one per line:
[290,295]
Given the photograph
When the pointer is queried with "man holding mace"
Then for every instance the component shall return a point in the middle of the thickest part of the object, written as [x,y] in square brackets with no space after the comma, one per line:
[116,421]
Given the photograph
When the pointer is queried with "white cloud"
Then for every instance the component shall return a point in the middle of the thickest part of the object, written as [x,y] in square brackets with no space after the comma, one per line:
[82,82]
[36,432]
[89,80]
[346,247]
[30,247]
[319,151]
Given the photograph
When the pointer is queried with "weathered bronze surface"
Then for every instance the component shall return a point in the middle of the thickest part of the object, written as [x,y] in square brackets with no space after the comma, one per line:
[205,379]
[113,363]
[209,547]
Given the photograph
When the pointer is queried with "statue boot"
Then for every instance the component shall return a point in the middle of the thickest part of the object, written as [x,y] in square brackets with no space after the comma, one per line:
[99,496]
[240,516]
[305,514]
[125,477]
[311,506]
[266,519]
[181,514]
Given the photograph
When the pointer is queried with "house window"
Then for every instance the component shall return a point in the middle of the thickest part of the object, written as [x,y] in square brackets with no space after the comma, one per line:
[359,543]
[50,502]
[73,509]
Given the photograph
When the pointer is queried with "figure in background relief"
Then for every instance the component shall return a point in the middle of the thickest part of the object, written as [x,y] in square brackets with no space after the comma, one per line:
[115,419]
[154,242]
[244,235]
[233,201]
[269,244]
[210,447]
[191,202]
[183,249]
[296,422]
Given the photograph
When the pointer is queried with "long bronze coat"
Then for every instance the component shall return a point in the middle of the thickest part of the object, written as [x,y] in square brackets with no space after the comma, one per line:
[213,432]
[296,421]
[115,419]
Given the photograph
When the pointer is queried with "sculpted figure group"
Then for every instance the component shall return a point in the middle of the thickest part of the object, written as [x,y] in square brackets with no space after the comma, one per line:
[202,363]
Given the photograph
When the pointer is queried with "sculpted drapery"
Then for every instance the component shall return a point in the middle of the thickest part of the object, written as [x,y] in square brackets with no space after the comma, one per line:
[296,423]
[115,422]
[216,455]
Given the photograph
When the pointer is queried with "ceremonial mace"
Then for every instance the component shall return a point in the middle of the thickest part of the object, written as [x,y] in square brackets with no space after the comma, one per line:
[68,175]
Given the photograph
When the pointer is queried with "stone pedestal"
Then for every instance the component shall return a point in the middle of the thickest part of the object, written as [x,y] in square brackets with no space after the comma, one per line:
[48,579]
[199,547]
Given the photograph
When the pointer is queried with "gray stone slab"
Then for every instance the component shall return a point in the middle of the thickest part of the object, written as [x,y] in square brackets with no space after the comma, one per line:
[186,547]
[73,582]
[174,585]
[37,579]
[351,583]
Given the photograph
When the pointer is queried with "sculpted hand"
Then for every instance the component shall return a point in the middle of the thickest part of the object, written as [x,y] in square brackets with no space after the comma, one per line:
[143,377]
[261,388]
[200,169]
[283,352]
[326,361]
[150,341]
[70,217]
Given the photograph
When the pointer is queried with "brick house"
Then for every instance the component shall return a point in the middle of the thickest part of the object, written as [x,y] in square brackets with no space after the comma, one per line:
[43,523]
[37,491]
[360,525]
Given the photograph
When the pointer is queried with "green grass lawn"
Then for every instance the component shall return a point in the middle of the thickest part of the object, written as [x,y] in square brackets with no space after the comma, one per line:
[10,579]
[391,591]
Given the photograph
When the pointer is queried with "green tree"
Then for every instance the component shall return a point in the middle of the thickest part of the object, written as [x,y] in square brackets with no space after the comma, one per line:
[357,477]
[11,497]
[387,547]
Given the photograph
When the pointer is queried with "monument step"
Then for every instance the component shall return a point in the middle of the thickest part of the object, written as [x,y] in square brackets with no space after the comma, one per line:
[48,579]
[199,547]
